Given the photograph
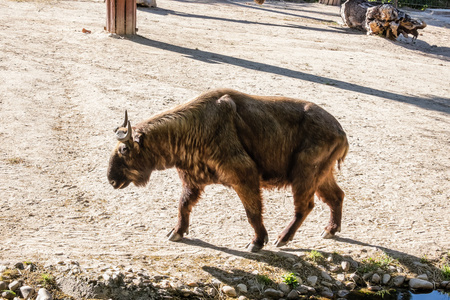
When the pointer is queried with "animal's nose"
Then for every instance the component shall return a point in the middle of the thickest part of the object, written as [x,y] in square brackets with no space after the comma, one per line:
[113,183]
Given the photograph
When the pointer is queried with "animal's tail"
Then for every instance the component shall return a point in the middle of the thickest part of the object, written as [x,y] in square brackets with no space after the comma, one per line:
[343,153]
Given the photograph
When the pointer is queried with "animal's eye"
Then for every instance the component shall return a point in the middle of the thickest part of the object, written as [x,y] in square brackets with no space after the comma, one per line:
[123,149]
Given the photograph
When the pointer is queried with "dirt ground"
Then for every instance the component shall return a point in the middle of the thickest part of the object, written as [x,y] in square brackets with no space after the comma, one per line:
[63,91]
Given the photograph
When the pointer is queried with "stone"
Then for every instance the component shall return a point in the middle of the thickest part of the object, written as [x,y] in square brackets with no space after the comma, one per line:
[355,277]
[366,276]
[293,295]
[3,286]
[272,293]
[303,289]
[216,283]
[229,291]
[399,280]
[340,277]
[420,284]
[376,278]
[312,280]
[212,292]
[342,293]
[15,285]
[326,276]
[242,288]
[327,294]
[386,278]
[374,288]
[326,283]
[345,265]
[27,292]
[350,285]
[192,284]
[242,298]
[422,276]
[444,284]
[297,265]
[284,288]
[43,294]
[8,294]
[335,269]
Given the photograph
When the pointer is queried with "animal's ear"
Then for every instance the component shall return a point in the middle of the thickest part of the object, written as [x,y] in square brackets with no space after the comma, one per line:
[227,101]
[139,139]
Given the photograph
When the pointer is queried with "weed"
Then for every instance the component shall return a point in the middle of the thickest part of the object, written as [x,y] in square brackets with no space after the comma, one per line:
[371,264]
[446,271]
[47,280]
[263,279]
[315,255]
[383,293]
[424,259]
[291,280]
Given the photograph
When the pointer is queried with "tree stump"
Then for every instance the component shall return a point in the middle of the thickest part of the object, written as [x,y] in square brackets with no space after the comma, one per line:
[121,16]
[330,2]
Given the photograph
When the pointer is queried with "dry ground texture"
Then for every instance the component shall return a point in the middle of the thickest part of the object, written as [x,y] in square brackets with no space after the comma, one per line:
[63,91]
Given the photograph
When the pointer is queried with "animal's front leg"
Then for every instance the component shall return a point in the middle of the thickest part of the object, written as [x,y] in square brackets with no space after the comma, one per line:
[188,199]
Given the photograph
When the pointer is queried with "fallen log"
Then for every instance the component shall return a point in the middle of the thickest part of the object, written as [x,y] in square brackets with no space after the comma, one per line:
[380,19]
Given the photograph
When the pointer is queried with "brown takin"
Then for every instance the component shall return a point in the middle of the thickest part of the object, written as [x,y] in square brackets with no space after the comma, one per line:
[244,142]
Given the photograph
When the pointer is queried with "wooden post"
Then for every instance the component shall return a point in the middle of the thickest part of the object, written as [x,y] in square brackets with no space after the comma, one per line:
[121,16]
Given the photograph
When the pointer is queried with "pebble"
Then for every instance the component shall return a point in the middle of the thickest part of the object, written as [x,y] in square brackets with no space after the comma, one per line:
[340,277]
[422,276]
[272,293]
[386,278]
[345,265]
[242,288]
[376,278]
[312,280]
[342,293]
[366,276]
[27,292]
[229,291]
[242,298]
[350,285]
[374,288]
[420,284]
[327,294]
[43,294]
[8,294]
[3,286]
[326,276]
[399,280]
[284,288]
[13,286]
[293,295]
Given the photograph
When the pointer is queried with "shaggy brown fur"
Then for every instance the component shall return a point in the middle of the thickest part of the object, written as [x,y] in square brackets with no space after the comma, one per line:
[244,142]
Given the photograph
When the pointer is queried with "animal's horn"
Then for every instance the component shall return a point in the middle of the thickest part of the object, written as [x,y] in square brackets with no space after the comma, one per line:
[122,136]
[126,119]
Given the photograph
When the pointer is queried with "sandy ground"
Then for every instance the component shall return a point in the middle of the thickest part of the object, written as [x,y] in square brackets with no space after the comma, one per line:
[63,91]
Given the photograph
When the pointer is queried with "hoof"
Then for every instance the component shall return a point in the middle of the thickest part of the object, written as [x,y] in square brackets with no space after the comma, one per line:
[174,236]
[251,247]
[279,243]
[326,234]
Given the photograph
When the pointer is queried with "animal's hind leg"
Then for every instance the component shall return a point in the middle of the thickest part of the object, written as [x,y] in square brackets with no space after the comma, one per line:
[330,193]
[304,203]
[188,199]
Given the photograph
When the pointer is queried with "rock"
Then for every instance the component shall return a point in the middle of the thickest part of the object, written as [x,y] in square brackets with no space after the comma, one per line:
[27,292]
[386,278]
[272,293]
[192,284]
[335,269]
[399,280]
[297,265]
[303,289]
[327,294]
[212,292]
[293,295]
[198,291]
[422,276]
[19,266]
[444,284]
[15,285]
[8,294]
[312,280]
[326,283]
[242,288]
[376,278]
[374,288]
[229,291]
[420,284]
[326,276]
[355,277]
[242,298]
[366,276]
[216,283]
[3,286]
[284,288]
[340,277]
[345,265]
[43,294]
[342,293]
[350,285]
